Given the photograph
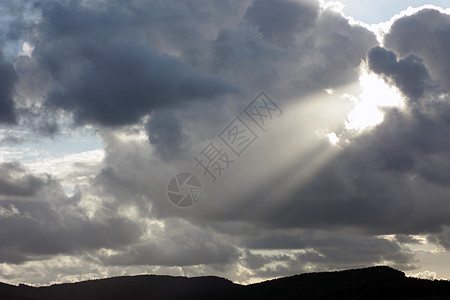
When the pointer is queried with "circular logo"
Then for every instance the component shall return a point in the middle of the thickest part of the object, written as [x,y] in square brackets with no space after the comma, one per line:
[184,190]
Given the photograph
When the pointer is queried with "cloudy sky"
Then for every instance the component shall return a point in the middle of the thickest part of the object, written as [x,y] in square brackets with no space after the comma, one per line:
[307,135]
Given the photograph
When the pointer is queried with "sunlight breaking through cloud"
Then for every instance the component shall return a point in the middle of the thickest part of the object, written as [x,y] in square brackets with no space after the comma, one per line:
[376,94]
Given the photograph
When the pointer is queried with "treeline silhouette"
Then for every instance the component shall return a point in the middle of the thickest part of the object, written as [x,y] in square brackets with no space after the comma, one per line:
[369,283]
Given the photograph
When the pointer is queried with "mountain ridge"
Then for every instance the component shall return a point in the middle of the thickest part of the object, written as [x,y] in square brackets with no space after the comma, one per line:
[380,282]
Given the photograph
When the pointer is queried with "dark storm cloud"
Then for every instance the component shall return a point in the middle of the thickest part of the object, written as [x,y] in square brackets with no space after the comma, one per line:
[409,74]
[111,64]
[280,21]
[106,72]
[413,141]
[15,181]
[7,84]
[324,49]
[424,33]
[165,133]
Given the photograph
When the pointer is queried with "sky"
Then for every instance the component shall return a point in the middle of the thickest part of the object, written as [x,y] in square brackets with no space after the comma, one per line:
[243,139]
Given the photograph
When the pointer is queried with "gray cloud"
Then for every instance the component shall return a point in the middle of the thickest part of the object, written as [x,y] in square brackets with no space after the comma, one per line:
[256,261]
[15,181]
[41,121]
[324,49]
[7,84]
[406,239]
[10,140]
[424,33]
[442,238]
[180,244]
[40,230]
[280,21]
[113,64]
[37,219]
[409,74]
[12,18]
[321,250]
[165,133]
[105,70]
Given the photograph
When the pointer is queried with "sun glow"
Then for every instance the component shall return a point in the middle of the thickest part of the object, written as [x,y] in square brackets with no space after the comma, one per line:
[375,94]
[332,137]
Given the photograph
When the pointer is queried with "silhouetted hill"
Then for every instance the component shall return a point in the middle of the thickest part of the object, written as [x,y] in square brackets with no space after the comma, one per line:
[127,287]
[368,283]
